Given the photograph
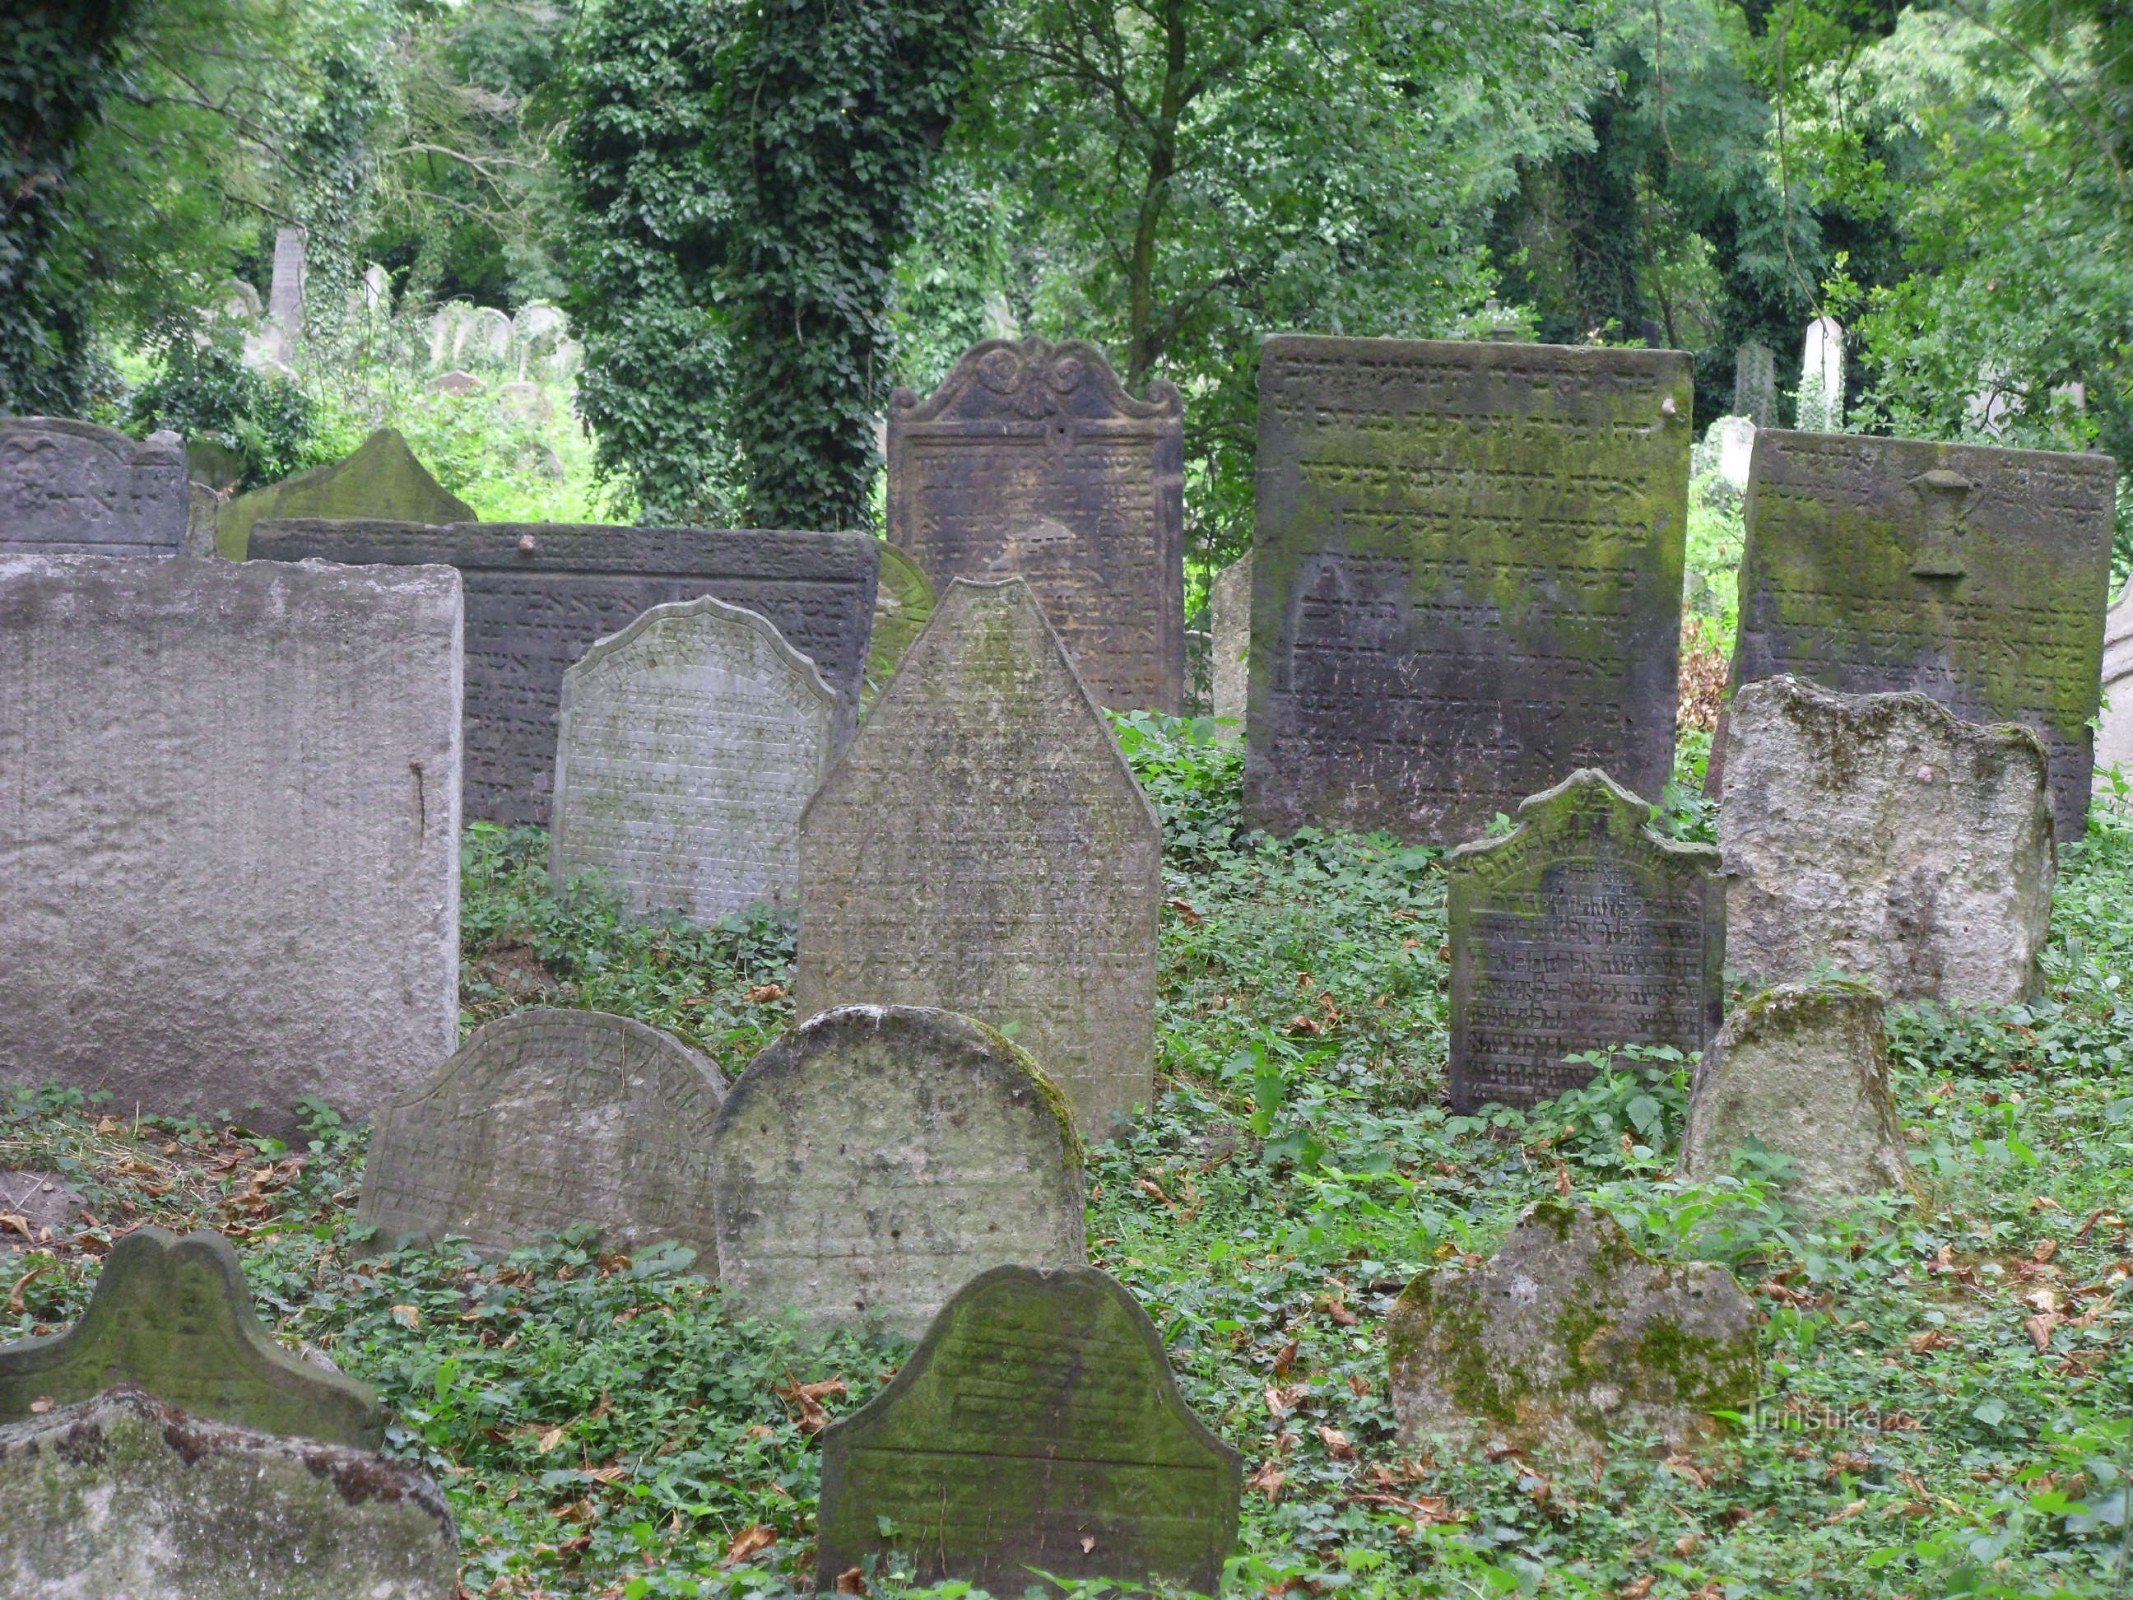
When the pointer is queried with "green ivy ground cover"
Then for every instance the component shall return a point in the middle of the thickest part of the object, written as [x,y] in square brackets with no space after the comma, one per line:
[1948,1399]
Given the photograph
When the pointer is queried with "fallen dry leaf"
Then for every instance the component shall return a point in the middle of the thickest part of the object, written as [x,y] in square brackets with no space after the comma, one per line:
[1185,910]
[408,1316]
[2039,1328]
[1336,1442]
[1637,1590]
[748,1541]
[851,1581]
[1268,1480]
[763,993]
[548,1440]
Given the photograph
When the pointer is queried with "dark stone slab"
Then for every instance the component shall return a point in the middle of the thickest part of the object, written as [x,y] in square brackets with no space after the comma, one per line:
[1037,1426]
[540,594]
[382,478]
[1581,929]
[73,488]
[1973,575]
[1466,578]
[173,1315]
[1031,461]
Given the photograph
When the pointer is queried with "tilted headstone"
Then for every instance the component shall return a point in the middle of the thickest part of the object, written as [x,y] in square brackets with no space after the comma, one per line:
[241,301]
[73,488]
[125,1497]
[1466,578]
[903,605]
[538,326]
[1801,1070]
[876,1158]
[1037,1428]
[687,746]
[482,337]
[1229,615]
[1975,575]
[546,1118]
[1880,838]
[444,331]
[1821,397]
[172,1315]
[540,594]
[382,478]
[1581,929]
[1755,389]
[285,293]
[1569,1333]
[230,849]
[983,847]
[1030,461]
[2114,737]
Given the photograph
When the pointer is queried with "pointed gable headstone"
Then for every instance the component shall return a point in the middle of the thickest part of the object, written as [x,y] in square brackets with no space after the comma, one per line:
[73,488]
[382,478]
[983,847]
[173,1316]
[1037,1428]
[1031,461]
[1581,929]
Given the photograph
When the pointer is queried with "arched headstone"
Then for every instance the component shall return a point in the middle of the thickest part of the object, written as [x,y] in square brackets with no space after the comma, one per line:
[73,488]
[903,605]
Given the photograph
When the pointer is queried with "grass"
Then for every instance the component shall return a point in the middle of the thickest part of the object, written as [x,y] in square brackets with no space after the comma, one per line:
[1948,1395]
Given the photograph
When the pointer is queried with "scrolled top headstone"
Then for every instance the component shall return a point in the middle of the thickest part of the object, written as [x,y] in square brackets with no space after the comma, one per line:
[73,488]
[1037,1426]
[1566,1334]
[381,478]
[173,1316]
[873,1159]
[545,1118]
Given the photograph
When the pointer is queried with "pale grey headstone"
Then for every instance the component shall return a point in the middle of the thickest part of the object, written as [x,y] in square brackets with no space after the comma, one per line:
[377,290]
[1880,838]
[2114,738]
[242,301]
[538,326]
[1821,397]
[1803,1071]
[687,746]
[524,402]
[1755,384]
[73,488]
[876,1158]
[483,337]
[566,361]
[444,331]
[982,846]
[230,849]
[285,294]
[126,1497]
[1229,612]
[546,1118]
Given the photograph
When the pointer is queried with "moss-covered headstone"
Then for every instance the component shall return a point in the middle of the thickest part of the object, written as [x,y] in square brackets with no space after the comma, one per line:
[1031,461]
[873,1160]
[1581,929]
[173,1316]
[1974,575]
[1037,1427]
[1568,1334]
[903,605]
[983,847]
[382,478]
[1466,578]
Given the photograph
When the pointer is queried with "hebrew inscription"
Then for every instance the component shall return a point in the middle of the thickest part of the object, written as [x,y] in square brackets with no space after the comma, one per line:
[1466,578]
[1972,575]
[1030,461]
[72,488]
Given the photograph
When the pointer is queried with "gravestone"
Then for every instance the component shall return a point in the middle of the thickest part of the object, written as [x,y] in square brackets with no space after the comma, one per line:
[687,746]
[983,847]
[377,291]
[523,401]
[1030,461]
[565,362]
[1821,398]
[172,1315]
[73,488]
[1755,386]
[456,383]
[538,326]
[1975,575]
[1036,1428]
[285,291]
[124,1497]
[1733,442]
[1466,578]
[482,337]
[1581,929]
[202,506]
[876,1158]
[1566,1334]
[1802,1070]
[1229,618]
[230,848]
[444,331]
[1879,837]
[545,1118]
[903,605]
[2114,736]
[539,595]
[383,478]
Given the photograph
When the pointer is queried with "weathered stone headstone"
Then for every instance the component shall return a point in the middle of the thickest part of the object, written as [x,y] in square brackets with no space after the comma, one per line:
[1803,1071]
[377,291]
[455,382]
[540,594]
[687,746]
[1569,1333]
[538,326]
[564,362]
[1755,389]
[482,337]
[1881,838]
[2114,738]
[545,1118]
[903,605]
[1229,615]
[1581,929]
[873,1160]
[202,506]
[124,1497]
[1466,578]
[983,847]
[1037,1428]
[523,401]
[73,488]
[1733,439]
[1821,398]
[1975,575]
[1030,461]
[229,851]
[285,291]
[383,478]
[444,331]
[172,1315]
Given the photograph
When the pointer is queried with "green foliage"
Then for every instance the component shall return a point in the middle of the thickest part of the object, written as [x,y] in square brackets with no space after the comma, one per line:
[207,393]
